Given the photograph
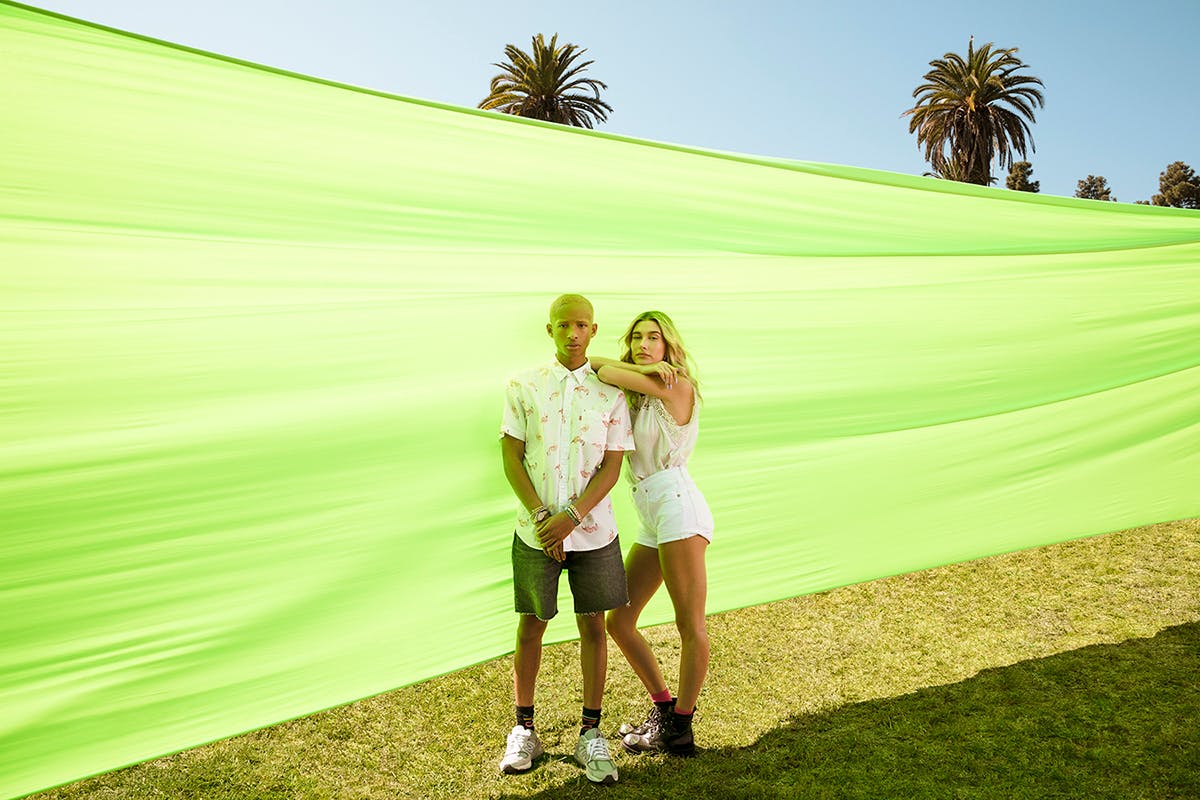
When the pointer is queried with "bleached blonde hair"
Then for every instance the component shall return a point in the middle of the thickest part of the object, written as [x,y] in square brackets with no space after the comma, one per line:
[565,300]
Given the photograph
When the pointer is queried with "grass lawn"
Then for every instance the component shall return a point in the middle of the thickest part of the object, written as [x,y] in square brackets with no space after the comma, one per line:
[1067,671]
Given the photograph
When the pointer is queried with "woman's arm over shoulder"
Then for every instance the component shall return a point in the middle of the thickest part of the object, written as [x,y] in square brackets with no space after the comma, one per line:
[599,362]
[652,385]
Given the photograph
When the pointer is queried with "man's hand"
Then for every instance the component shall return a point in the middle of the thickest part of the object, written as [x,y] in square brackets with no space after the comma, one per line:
[556,552]
[553,531]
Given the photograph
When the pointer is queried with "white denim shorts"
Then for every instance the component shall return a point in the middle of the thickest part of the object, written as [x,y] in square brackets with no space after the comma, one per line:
[670,508]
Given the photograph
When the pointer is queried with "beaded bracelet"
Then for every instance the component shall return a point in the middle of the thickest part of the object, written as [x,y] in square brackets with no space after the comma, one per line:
[573,513]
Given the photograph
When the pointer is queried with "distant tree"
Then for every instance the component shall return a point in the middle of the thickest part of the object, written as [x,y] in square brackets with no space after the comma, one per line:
[1018,178]
[1094,187]
[545,85]
[1178,186]
[971,111]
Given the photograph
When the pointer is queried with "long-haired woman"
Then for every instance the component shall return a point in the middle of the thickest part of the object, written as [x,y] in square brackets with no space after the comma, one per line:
[676,525]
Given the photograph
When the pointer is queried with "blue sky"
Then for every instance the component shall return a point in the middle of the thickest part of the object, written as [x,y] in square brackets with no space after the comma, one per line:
[809,81]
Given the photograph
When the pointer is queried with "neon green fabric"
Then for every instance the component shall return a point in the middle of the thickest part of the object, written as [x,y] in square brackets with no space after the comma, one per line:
[256,329]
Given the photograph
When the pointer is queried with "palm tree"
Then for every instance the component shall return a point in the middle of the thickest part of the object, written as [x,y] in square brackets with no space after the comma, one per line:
[541,85]
[972,111]
[950,170]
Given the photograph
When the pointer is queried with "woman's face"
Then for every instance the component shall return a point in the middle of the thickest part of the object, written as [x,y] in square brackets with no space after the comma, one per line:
[646,343]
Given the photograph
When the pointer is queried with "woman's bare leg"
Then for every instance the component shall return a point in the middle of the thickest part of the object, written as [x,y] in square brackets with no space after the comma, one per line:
[682,568]
[643,576]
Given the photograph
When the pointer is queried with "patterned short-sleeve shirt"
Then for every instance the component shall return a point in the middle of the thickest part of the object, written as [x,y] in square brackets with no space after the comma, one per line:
[567,419]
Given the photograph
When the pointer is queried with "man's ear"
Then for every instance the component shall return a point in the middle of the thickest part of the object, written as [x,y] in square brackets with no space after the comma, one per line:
[549,330]
[595,328]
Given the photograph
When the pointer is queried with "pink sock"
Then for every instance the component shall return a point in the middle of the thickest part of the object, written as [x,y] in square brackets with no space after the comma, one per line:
[661,697]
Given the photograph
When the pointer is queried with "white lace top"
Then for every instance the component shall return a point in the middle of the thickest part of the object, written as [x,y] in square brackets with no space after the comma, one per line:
[661,441]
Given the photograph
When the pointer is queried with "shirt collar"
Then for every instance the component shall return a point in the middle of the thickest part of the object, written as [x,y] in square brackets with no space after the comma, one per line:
[580,375]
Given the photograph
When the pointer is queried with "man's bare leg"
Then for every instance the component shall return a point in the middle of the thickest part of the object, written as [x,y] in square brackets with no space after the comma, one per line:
[527,659]
[593,657]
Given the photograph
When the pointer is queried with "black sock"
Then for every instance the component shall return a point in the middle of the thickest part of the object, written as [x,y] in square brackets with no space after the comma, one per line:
[525,716]
[589,719]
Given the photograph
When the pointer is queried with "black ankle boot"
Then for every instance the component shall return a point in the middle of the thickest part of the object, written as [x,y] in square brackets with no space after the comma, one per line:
[677,735]
[654,720]
[646,738]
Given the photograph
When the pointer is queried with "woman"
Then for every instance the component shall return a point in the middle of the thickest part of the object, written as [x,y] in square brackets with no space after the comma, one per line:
[676,525]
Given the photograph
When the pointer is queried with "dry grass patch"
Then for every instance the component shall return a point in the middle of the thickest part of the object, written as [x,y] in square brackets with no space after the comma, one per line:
[1048,672]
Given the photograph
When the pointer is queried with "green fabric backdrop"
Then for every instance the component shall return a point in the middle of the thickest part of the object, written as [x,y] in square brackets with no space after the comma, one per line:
[256,329]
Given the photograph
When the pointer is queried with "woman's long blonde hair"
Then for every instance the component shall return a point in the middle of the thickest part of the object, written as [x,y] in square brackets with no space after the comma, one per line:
[676,354]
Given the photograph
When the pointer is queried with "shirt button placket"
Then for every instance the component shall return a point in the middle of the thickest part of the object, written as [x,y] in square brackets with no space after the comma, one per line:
[565,449]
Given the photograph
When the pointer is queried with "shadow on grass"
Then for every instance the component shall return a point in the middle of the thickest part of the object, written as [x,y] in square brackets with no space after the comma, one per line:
[1105,721]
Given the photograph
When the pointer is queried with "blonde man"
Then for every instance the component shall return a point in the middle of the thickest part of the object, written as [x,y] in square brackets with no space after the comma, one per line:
[563,438]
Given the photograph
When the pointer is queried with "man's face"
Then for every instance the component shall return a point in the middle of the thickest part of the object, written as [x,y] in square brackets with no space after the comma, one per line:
[571,328]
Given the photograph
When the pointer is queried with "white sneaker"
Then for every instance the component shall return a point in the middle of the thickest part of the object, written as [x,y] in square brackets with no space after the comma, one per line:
[591,752]
[523,747]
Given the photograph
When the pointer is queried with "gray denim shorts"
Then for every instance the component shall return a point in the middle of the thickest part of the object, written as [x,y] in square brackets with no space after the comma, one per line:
[597,579]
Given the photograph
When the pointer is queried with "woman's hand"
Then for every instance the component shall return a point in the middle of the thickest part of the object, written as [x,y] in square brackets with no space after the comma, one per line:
[666,372]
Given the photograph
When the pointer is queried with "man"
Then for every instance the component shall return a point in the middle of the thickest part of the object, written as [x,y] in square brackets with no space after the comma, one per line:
[563,437]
